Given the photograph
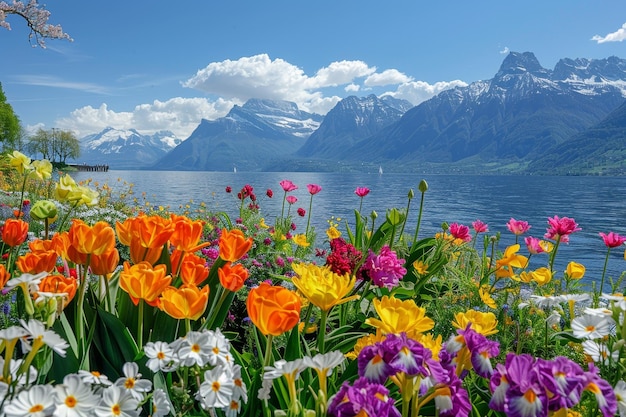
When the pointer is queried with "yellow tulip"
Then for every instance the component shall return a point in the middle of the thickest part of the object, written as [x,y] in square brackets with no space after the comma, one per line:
[321,286]
[575,270]
[542,275]
[510,259]
[186,302]
[63,187]
[483,323]
[397,316]
[42,169]
[143,281]
[20,162]
[300,240]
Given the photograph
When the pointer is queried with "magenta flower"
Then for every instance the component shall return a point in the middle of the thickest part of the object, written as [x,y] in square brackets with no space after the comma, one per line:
[385,269]
[480,227]
[291,199]
[533,245]
[459,231]
[362,399]
[561,228]
[612,240]
[313,188]
[229,189]
[301,212]
[343,256]
[517,227]
[269,193]
[362,191]
[288,185]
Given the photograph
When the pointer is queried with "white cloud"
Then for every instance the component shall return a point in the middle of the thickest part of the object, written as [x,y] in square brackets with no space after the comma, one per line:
[617,36]
[338,73]
[351,88]
[505,50]
[47,81]
[387,77]
[417,92]
[179,115]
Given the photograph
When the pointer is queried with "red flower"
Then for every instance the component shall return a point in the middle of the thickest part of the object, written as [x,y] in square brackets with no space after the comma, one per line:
[314,188]
[459,231]
[301,212]
[229,189]
[269,193]
[613,240]
[362,191]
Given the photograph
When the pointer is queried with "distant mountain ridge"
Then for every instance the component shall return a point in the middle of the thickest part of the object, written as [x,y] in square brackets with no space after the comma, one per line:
[523,120]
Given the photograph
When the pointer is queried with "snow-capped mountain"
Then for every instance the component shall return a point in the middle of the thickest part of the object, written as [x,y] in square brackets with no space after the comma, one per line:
[126,149]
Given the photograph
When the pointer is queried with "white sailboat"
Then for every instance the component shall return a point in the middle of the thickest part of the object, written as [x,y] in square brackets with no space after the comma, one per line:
[380,170]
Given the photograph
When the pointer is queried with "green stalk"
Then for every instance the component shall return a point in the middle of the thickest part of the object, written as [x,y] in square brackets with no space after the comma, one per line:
[419,221]
[322,332]
[268,351]
[140,325]
[606,262]
[308,222]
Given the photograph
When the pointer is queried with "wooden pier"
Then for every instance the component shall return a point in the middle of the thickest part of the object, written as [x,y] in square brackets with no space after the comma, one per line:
[93,168]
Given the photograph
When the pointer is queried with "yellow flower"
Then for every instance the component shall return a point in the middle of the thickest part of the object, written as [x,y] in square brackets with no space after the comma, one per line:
[575,270]
[300,240]
[429,341]
[397,316]
[42,169]
[83,195]
[524,276]
[542,275]
[262,224]
[365,341]
[547,246]
[485,296]
[64,186]
[20,162]
[510,259]
[332,233]
[321,286]
[420,267]
[483,323]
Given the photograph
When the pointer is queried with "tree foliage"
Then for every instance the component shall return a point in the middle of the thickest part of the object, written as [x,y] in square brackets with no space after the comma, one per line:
[36,17]
[54,145]
[10,129]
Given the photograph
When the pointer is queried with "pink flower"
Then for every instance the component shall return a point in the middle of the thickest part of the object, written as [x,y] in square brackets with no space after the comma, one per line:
[561,228]
[533,245]
[229,189]
[612,240]
[517,227]
[480,227]
[314,188]
[385,270]
[269,193]
[362,191]
[301,212]
[288,185]
[459,231]
[291,199]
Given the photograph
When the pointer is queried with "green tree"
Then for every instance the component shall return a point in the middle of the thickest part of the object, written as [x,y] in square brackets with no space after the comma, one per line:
[66,146]
[54,145]
[10,129]
[41,143]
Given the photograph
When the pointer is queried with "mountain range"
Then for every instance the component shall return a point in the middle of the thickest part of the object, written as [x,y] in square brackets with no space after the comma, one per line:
[526,119]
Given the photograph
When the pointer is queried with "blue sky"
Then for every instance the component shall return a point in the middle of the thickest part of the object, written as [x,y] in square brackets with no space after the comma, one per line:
[154,65]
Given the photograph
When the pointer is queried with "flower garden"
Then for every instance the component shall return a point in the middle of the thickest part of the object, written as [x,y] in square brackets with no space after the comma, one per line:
[112,309]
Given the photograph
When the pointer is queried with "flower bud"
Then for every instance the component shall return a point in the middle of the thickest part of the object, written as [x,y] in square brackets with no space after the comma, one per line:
[43,209]
[445,226]
[374,216]
[411,194]
[423,186]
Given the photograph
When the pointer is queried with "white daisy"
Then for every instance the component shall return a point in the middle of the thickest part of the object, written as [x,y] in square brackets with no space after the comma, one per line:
[554,319]
[94,378]
[620,396]
[117,402]
[26,279]
[161,357]
[546,301]
[239,387]
[591,326]
[38,401]
[38,333]
[132,382]
[233,409]
[600,311]
[265,390]
[160,403]
[325,363]
[194,349]
[283,368]
[22,378]
[74,398]
[599,352]
[216,390]
[219,348]
[618,299]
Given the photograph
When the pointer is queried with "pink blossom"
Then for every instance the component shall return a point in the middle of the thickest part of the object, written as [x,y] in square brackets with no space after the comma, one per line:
[362,191]
[288,185]
[291,199]
[301,212]
[480,227]
[269,193]
[459,231]
[314,188]
[533,245]
[385,269]
[229,189]
[517,227]
[612,240]
[561,228]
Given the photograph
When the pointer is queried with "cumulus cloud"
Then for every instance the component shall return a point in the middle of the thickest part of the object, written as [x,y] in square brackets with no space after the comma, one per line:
[231,82]
[617,36]
[417,92]
[179,115]
[505,50]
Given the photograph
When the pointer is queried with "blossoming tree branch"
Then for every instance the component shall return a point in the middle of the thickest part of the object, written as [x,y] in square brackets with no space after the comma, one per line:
[36,18]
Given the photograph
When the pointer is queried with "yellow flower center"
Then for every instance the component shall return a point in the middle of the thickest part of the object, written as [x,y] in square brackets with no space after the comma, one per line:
[530,396]
[130,383]
[195,348]
[590,328]
[161,355]
[215,386]
[70,401]
[216,350]
[36,408]
[116,410]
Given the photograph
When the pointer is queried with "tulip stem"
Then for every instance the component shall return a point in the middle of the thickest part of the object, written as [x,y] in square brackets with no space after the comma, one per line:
[419,220]
[308,222]
[322,332]
[140,325]
[606,262]
[268,351]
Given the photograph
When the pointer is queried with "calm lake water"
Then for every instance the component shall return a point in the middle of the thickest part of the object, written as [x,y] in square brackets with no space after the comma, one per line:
[598,204]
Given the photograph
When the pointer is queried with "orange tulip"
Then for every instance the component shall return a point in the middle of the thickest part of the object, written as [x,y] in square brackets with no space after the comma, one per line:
[233,245]
[106,263]
[96,240]
[152,231]
[14,232]
[232,276]
[36,262]
[4,276]
[273,309]
[186,302]
[143,281]
[186,234]
[61,242]
[177,258]
[59,284]
[125,230]
[40,245]
[139,253]
[193,273]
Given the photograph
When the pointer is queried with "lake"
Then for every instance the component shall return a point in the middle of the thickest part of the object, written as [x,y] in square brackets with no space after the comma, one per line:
[598,204]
